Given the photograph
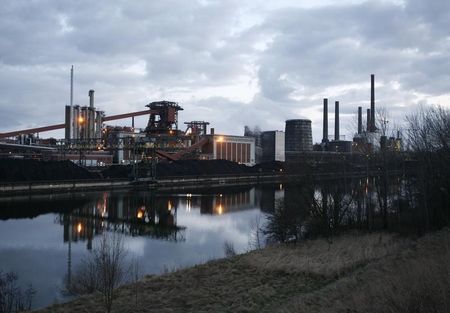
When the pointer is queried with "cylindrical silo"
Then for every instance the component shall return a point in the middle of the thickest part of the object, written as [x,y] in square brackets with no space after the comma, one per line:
[298,135]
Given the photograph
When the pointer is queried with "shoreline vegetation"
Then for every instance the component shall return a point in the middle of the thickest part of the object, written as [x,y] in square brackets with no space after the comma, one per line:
[353,272]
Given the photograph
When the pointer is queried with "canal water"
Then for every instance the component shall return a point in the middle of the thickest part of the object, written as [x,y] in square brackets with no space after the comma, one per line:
[44,238]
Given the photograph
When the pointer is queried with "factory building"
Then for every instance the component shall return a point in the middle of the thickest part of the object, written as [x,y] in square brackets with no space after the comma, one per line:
[83,122]
[298,138]
[273,145]
[238,149]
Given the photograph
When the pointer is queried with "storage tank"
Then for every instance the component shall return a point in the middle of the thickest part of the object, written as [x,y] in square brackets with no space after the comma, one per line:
[298,135]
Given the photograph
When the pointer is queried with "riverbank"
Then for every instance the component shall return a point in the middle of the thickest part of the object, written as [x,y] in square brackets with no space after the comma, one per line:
[352,273]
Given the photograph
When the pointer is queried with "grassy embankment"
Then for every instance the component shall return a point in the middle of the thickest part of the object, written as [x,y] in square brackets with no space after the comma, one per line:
[355,273]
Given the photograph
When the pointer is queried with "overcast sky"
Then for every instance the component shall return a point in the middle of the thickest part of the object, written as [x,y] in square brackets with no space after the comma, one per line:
[232,63]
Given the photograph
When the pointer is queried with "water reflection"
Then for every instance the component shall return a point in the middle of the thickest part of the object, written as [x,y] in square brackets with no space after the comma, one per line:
[323,208]
[164,229]
[133,213]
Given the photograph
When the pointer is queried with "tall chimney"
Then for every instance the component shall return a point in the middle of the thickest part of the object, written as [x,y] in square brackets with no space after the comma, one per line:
[325,120]
[372,102]
[359,120]
[336,120]
[71,86]
[91,98]
[368,121]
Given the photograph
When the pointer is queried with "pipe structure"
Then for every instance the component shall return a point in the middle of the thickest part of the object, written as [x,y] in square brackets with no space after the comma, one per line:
[359,120]
[372,102]
[91,98]
[368,121]
[71,86]
[325,120]
[77,114]
[336,120]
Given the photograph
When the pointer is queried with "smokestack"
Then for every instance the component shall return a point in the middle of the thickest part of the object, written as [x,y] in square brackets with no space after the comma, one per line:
[368,121]
[91,98]
[336,120]
[325,120]
[359,120]
[71,86]
[372,102]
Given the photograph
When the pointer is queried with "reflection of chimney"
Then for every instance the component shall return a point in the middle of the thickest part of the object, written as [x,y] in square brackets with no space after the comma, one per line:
[372,103]
[359,120]
[368,121]
[336,120]
[325,120]
[91,98]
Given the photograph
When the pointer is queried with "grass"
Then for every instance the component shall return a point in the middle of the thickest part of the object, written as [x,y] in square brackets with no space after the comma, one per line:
[355,273]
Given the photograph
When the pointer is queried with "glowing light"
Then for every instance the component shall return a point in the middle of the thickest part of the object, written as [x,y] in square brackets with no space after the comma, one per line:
[220,139]
[189,195]
[281,187]
[140,213]
[169,205]
[79,228]
[219,209]
[81,120]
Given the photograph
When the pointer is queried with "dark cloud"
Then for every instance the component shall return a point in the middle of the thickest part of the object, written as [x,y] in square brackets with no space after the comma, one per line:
[227,62]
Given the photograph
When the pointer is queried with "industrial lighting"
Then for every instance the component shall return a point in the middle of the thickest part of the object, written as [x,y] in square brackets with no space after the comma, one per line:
[80,120]
[220,138]
[140,214]
[79,228]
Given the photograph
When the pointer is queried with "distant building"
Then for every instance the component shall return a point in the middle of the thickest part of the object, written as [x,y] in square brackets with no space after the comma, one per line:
[238,149]
[272,143]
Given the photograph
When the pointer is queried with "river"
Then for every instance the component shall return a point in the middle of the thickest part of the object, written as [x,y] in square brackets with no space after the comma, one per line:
[44,238]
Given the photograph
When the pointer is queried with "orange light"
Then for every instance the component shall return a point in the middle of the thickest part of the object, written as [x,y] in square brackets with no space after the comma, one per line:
[80,120]
[140,214]
[79,228]
[220,138]
[219,209]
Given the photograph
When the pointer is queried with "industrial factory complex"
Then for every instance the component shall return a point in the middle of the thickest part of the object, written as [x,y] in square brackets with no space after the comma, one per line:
[89,141]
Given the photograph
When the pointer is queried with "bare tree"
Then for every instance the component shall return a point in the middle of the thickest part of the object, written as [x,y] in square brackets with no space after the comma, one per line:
[102,271]
[428,137]
[256,240]
[12,298]
[228,248]
[382,120]
[135,271]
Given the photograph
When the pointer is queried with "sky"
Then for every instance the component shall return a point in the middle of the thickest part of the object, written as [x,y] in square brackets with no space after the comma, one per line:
[231,63]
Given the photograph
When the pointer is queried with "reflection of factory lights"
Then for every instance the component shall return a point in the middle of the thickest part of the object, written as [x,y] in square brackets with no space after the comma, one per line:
[169,205]
[281,186]
[79,228]
[188,206]
[140,214]
[189,195]
[220,139]
[220,209]
[80,120]
[220,195]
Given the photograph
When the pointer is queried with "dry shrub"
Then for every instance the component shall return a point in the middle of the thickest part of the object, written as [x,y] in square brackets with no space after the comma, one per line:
[422,285]
[326,258]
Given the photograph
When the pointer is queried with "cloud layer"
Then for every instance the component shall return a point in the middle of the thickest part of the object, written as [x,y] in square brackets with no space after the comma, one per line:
[229,63]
